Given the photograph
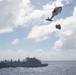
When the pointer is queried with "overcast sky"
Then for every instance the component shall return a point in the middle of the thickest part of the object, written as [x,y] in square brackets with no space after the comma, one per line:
[25,32]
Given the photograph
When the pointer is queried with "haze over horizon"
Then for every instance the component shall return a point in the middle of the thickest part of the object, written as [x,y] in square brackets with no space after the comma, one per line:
[24,30]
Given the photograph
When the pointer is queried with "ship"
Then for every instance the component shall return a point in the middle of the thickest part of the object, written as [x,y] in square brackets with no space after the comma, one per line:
[28,62]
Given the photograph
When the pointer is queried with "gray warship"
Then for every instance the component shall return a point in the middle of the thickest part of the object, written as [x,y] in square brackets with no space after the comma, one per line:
[28,62]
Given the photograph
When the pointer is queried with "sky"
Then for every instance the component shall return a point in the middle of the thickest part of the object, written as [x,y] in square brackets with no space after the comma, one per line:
[25,32]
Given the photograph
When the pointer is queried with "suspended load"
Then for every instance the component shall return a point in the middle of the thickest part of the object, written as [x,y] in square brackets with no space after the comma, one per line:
[58,26]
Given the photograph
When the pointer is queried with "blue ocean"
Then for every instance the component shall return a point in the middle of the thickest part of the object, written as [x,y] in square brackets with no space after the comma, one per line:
[53,68]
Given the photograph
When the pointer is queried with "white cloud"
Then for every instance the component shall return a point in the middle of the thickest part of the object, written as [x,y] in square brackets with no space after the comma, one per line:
[68,34]
[22,54]
[15,41]
[39,53]
[13,12]
[41,32]
[8,29]
[11,54]
[56,3]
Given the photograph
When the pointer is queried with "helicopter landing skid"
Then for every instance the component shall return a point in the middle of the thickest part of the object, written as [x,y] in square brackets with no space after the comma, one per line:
[48,19]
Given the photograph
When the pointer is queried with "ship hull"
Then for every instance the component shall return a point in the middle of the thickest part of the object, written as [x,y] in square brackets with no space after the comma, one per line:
[23,65]
[30,62]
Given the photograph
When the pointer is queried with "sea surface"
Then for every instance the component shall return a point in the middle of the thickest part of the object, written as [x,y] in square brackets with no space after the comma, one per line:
[53,68]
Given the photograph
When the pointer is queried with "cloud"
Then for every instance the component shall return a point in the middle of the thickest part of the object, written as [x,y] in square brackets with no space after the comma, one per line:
[56,3]
[15,41]
[38,15]
[51,55]
[41,32]
[7,29]
[22,54]
[68,34]
[11,54]
[38,32]
[12,13]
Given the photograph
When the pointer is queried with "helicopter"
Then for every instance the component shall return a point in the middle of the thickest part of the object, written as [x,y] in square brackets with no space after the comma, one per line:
[55,12]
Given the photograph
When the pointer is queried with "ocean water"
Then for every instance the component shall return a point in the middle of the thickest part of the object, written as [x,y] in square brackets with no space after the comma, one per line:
[53,68]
